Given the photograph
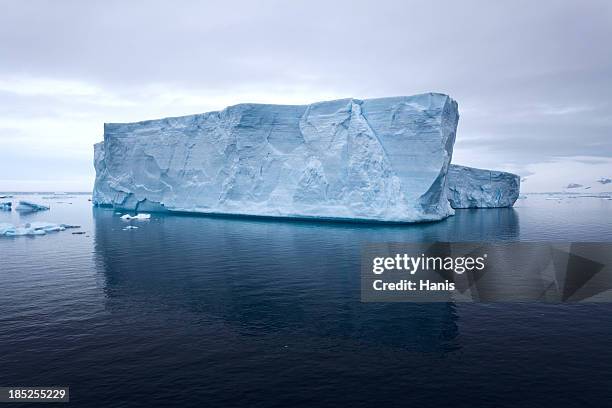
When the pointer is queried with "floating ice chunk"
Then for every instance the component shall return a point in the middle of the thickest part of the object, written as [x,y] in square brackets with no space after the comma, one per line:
[45,226]
[30,206]
[6,206]
[33,228]
[10,230]
[140,217]
[67,226]
[4,227]
[6,196]
[21,231]
[130,227]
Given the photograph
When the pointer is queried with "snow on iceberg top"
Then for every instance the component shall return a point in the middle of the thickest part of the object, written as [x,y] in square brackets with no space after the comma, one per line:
[431,101]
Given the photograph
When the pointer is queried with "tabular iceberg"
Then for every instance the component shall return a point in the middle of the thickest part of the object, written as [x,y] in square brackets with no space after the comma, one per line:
[376,159]
[477,188]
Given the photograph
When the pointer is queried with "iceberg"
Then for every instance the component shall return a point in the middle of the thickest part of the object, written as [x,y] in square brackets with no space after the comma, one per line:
[30,206]
[469,187]
[382,159]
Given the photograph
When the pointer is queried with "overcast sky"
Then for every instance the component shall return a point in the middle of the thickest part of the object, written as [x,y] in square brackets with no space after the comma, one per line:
[533,79]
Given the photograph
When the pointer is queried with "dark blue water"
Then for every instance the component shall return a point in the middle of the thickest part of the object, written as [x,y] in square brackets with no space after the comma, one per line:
[194,311]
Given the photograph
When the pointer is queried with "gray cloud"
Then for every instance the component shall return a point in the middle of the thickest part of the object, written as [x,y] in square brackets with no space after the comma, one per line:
[529,76]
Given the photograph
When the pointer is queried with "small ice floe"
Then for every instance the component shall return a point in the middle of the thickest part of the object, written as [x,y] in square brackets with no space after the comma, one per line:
[33,228]
[6,206]
[140,217]
[6,196]
[30,206]
[4,227]
[68,226]
[130,227]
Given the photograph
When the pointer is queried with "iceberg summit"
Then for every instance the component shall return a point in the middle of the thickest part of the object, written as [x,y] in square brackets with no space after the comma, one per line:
[384,159]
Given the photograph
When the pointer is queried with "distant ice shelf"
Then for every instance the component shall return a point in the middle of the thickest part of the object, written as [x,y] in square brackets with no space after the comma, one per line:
[383,159]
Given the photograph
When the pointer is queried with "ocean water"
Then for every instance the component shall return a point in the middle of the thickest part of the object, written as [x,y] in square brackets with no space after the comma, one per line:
[227,312]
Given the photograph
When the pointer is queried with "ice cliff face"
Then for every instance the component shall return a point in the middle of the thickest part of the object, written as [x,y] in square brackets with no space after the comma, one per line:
[476,188]
[376,159]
